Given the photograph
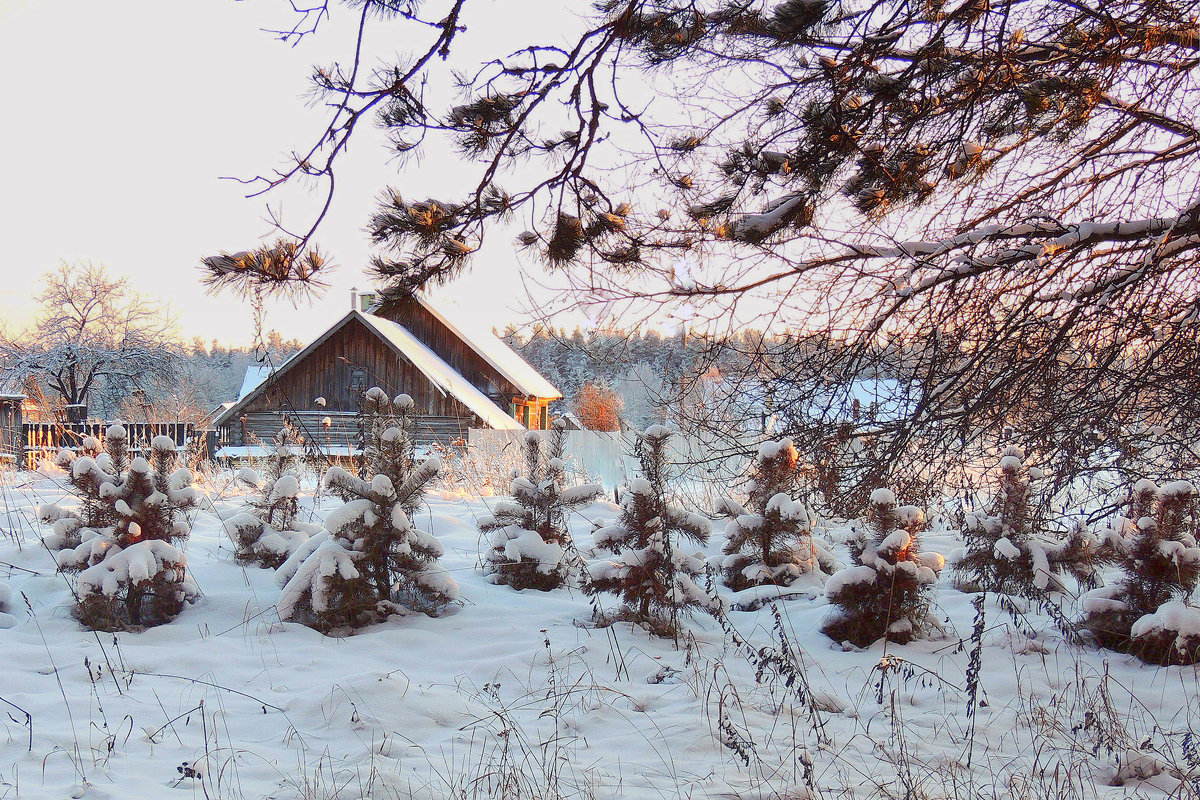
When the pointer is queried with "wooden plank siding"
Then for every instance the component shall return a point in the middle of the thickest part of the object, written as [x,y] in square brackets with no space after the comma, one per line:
[339,370]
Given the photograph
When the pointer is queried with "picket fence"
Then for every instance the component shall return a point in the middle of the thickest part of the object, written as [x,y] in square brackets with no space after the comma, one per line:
[45,439]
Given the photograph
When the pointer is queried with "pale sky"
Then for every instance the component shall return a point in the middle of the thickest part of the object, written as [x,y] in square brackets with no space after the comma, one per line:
[121,116]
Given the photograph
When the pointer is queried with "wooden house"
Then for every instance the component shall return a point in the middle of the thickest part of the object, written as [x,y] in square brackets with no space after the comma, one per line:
[460,376]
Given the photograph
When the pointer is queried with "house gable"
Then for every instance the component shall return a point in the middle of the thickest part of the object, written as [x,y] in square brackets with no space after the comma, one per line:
[478,356]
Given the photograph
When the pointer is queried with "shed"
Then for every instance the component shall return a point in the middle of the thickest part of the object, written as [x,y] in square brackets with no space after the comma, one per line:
[12,434]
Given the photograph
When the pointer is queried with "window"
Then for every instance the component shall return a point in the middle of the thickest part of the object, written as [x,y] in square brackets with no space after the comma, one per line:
[358,381]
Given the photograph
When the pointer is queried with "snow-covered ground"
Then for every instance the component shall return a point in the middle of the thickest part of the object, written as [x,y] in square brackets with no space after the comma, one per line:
[516,695]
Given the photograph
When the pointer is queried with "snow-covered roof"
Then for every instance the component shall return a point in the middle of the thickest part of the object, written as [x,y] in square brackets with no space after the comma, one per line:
[441,374]
[255,375]
[10,386]
[490,348]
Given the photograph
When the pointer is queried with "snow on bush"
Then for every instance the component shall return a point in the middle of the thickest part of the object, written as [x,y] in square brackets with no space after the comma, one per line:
[769,540]
[1161,566]
[371,561]
[529,536]
[1172,634]
[269,532]
[120,537]
[1009,549]
[653,576]
[886,591]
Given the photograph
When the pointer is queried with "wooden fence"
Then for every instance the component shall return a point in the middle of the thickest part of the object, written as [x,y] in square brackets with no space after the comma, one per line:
[45,439]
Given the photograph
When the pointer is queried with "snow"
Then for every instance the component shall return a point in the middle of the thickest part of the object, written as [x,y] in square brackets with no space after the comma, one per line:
[329,559]
[1172,617]
[255,375]
[883,497]
[404,706]
[519,544]
[1177,489]
[1010,463]
[850,576]
[1006,549]
[163,443]
[135,563]
[7,618]
[286,486]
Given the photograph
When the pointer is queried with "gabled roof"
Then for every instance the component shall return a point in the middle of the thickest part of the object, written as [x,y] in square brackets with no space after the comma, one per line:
[431,365]
[441,374]
[491,349]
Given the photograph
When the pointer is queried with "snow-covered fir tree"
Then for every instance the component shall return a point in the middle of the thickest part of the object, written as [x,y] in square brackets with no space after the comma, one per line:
[531,546]
[769,540]
[270,532]
[651,573]
[1145,612]
[120,539]
[886,593]
[1008,550]
[371,561]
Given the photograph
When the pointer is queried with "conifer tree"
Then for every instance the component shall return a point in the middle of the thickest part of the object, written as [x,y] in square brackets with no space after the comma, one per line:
[1145,613]
[371,561]
[769,540]
[269,532]
[120,539]
[886,593]
[530,540]
[1009,550]
[653,576]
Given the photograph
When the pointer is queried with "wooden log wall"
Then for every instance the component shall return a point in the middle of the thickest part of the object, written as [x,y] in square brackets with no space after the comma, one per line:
[260,427]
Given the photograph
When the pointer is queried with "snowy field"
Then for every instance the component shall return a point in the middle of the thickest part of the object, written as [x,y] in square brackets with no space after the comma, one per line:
[516,695]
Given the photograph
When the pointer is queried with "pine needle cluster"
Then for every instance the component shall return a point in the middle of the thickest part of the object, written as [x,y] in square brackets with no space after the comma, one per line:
[371,561]
[886,593]
[531,546]
[769,540]
[653,576]
[1009,549]
[1145,612]
[270,532]
[121,538]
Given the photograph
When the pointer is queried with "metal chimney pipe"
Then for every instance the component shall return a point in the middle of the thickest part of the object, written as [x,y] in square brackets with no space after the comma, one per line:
[354,298]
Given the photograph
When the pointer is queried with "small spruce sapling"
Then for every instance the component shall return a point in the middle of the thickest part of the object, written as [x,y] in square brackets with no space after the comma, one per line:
[886,593]
[530,542]
[1145,612]
[371,561]
[120,539]
[269,532]
[1008,551]
[651,574]
[769,540]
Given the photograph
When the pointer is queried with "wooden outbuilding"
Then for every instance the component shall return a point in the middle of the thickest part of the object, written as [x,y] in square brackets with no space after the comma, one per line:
[460,376]
[12,432]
